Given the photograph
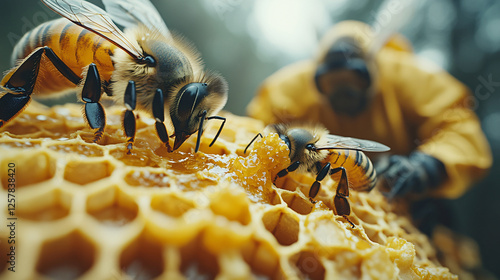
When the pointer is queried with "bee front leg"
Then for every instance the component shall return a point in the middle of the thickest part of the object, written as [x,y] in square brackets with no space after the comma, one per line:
[285,171]
[130,99]
[159,115]
[340,200]
[91,94]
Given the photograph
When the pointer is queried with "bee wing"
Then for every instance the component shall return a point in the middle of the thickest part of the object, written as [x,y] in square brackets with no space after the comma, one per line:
[95,19]
[336,142]
[130,12]
[408,10]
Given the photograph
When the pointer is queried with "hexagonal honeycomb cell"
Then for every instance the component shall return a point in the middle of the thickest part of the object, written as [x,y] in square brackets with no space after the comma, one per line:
[85,172]
[142,259]
[50,205]
[171,205]
[111,206]
[67,257]
[36,167]
[283,225]
[91,211]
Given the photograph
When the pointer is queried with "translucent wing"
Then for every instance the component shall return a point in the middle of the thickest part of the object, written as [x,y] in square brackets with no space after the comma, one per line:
[130,12]
[95,19]
[339,142]
[407,10]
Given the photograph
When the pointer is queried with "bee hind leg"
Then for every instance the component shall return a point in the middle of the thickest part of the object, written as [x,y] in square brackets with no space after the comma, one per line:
[340,200]
[342,207]
[130,99]
[20,86]
[20,82]
[11,105]
[91,94]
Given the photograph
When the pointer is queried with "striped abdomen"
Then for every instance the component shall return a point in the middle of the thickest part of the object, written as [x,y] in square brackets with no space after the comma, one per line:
[360,170]
[74,45]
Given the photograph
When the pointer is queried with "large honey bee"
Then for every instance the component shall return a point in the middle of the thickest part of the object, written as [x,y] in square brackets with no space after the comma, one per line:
[313,149]
[146,67]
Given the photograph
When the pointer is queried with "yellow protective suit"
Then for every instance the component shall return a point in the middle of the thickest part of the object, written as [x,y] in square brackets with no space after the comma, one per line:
[414,107]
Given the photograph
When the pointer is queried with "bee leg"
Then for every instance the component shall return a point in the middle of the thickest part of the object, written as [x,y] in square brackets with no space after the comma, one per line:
[340,200]
[61,66]
[12,105]
[130,98]
[159,115]
[20,84]
[21,81]
[292,167]
[246,148]
[313,191]
[91,93]
[343,186]
[342,207]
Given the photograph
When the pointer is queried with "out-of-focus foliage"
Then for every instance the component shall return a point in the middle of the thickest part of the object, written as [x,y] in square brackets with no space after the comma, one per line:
[248,40]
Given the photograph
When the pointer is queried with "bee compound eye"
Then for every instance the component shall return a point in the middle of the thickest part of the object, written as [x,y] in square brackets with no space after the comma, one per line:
[286,140]
[148,60]
[310,147]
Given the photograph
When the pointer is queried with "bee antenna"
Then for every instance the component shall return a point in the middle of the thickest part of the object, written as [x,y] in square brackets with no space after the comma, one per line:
[220,128]
[258,134]
[200,130]
[312,147]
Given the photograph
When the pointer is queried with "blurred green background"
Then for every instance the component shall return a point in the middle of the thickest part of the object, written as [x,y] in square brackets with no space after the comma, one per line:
[248,40]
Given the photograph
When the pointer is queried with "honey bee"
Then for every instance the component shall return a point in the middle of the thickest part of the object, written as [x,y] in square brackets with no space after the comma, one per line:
[313,149]
[146,67]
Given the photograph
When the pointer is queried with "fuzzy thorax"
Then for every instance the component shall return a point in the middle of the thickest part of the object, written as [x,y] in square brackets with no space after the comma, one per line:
[176,62]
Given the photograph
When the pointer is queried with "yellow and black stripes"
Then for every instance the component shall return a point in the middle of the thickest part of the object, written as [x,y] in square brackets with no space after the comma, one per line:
[31,40]
[75,46]
[64,36]
[360,170]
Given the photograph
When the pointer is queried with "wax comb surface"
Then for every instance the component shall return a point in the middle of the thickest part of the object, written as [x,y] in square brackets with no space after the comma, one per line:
[91,211]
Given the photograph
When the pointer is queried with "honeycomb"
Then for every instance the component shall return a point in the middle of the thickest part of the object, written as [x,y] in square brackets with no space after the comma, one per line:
[90,211]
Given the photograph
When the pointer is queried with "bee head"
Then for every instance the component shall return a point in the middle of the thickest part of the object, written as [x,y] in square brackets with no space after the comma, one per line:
[302,142]
[193,103]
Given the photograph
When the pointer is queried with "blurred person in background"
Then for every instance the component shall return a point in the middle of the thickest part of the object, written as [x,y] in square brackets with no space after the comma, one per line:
[360,88]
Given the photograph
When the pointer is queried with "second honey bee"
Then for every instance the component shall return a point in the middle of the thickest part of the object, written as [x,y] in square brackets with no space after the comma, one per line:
[146,67]
[313,149]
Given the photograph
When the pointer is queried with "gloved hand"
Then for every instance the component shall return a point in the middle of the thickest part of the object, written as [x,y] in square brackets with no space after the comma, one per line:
[415,173]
